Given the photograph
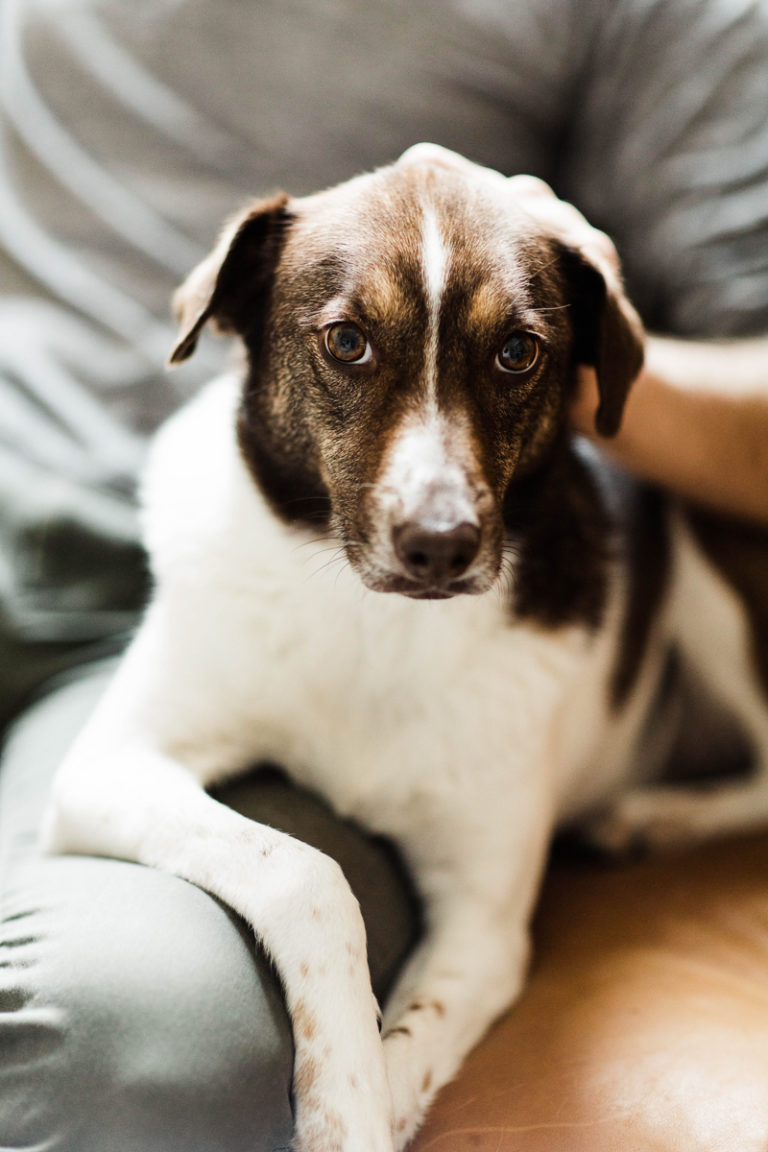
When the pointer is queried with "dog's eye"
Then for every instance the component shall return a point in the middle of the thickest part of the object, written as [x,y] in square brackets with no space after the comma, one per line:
[518,353]
[347,343]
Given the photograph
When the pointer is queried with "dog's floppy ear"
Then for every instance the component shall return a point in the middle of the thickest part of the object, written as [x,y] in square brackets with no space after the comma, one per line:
[230,285]
[609,333]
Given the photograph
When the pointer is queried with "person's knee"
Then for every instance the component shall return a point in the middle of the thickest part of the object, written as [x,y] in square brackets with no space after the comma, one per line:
[137,1021]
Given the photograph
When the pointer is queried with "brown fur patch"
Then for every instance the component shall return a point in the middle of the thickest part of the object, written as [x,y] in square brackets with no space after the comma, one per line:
[421,1005]
[304,1023]
[305,1074]
[739,550]
[648,557]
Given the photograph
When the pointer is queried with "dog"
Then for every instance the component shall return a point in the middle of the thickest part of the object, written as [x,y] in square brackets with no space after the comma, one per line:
[472,664]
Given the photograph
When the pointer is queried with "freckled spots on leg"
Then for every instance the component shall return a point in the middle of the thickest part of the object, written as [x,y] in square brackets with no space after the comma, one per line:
[426,1083]
[436,1006]
[305,1075]
[304,1023]
[401,1124]
[400,1030]
[353,1080]
[304,969]
[334,1130]
[324,1128]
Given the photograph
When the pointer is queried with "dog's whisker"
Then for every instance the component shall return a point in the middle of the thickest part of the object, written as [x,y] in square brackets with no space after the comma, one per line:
[542,268]
[505,583]
[337,558]
[313,542]
[322,554]
[342,568]
[330,548]
[553,308]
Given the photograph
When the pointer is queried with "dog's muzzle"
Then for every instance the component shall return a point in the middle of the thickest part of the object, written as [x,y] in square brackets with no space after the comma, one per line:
[432,518]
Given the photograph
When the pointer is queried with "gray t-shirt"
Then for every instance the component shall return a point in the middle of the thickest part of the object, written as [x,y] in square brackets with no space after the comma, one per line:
[128,131]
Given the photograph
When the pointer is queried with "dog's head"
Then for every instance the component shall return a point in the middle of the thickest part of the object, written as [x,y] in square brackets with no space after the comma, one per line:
[412,340]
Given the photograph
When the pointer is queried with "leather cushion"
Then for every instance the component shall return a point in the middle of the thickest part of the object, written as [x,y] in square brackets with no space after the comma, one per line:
[645,1022]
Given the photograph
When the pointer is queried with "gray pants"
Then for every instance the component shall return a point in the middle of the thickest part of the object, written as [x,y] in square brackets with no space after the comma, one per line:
[136,1012]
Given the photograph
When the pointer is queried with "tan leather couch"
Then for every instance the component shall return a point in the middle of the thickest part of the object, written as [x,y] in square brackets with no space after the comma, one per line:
[644,1026]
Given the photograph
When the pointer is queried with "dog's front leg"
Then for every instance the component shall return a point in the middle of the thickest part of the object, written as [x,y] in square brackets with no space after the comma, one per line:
[470,966]
[137,804]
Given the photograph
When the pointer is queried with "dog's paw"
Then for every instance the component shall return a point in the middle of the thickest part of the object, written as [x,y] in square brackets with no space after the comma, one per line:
[644,821]
[341,1096]
[413,1080]
[353,1124]
[408,1103]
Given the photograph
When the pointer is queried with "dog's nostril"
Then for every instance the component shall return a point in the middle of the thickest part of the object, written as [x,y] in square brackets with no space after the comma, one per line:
[436,556]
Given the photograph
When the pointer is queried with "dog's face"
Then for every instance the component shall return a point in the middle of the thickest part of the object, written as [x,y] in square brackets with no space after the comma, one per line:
[412,338]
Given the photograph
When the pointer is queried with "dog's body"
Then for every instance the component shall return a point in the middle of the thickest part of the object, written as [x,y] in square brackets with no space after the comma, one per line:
[403,429]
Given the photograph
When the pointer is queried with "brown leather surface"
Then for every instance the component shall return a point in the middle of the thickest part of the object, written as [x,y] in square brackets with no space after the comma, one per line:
[644,1025]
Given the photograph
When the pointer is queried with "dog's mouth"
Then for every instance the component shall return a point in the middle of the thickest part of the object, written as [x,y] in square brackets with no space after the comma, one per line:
[394,582]
[432,594]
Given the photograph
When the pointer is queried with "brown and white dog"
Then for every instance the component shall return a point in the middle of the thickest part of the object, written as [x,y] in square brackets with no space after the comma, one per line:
[479,665]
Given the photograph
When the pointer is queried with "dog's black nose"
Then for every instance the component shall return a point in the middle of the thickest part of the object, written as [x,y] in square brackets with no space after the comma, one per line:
[436,557]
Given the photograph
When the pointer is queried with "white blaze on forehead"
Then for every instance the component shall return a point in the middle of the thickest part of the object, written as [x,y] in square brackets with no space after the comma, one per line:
[426,477]
[435,257]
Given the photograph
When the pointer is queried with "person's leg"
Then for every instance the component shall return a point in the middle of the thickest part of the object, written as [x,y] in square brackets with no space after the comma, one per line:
[136,1012]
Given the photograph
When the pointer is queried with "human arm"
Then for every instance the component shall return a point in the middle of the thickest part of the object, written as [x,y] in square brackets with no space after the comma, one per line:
[696,422]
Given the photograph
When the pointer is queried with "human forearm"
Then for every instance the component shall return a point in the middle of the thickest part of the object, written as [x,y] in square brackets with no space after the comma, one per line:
[696,422]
